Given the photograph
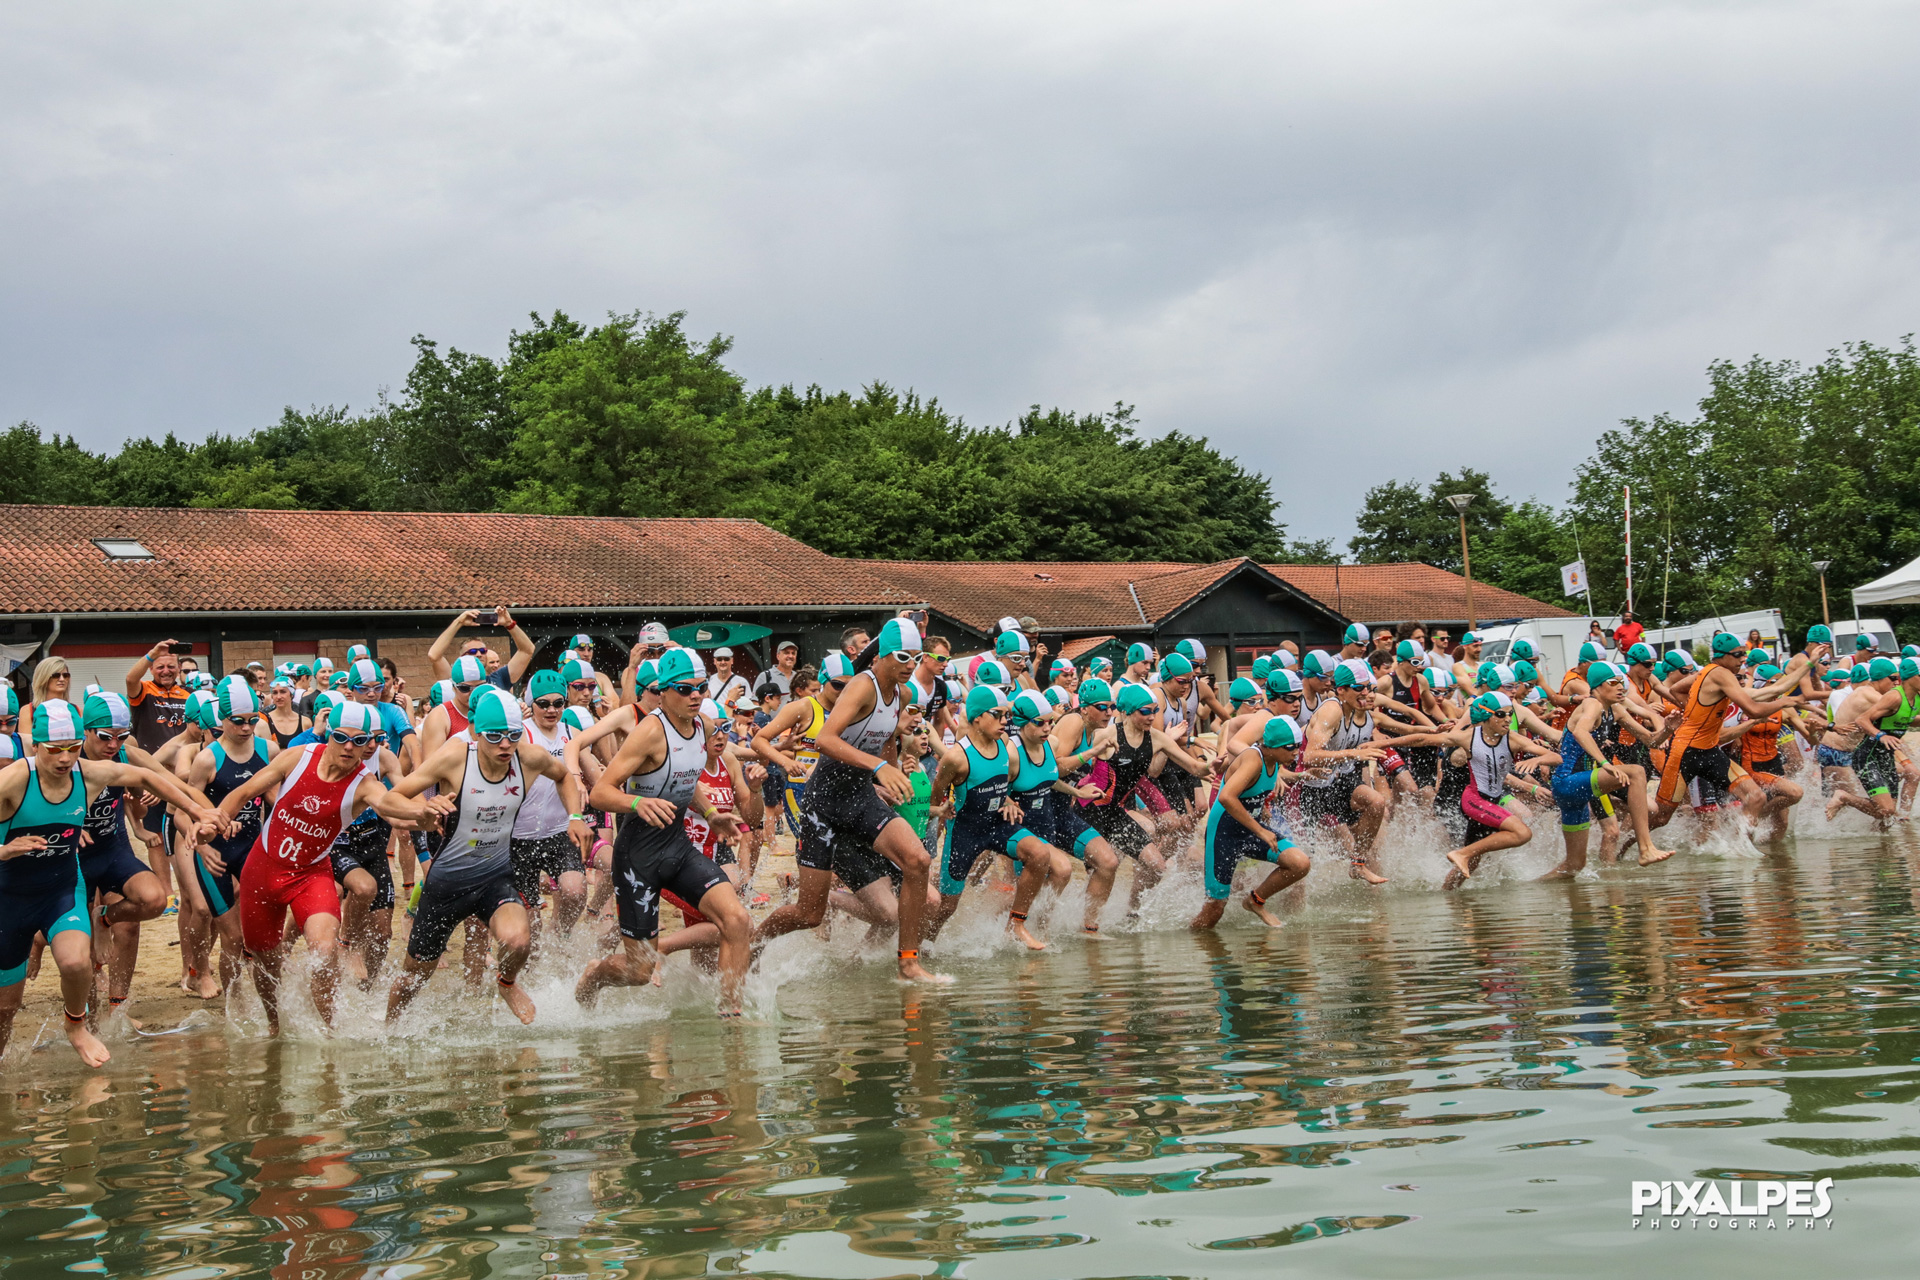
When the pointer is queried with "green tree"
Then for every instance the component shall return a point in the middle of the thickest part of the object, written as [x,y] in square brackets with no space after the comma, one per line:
[1399,523]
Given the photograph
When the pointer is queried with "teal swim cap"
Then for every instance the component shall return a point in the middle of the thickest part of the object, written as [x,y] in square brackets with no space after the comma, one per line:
[1524,673]
[574,669]
[1029,707]
[991,672]
[902,635]
[1279,732]
[1909,668]
[1523,651]
[1346,677]
[1724,643]
[546,684]
[1485,707]
[1820,635]
[1317,665]
[236,698]
[1242,690]
[579,719]
[1283,683]
[106,711]
[1601,672]
[1192,650]
[1174,666]
[1591,652]
[356,653]
[468,670]
[1863,641]
[675,667]
[56,720]
[1094,689]
[836,666]
[498,715]
[1882,669]
[647,676]
[1405,651]
[1137,652]
[1010,643]
[1439,678]
[1261,666]
[1056,695]
[1135,698]
[1639,655]
[1766,671]
[439,693]
[1356,633]
[983,698]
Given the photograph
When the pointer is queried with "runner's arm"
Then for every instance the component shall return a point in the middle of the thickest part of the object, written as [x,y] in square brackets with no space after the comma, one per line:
[1240,776]
[523,645]
[437,651]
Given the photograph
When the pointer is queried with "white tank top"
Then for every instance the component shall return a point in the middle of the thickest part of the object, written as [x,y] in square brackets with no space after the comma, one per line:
[871,734]
[675,777]
[482,833]
[544,814]
[1346,735]
[1491,762]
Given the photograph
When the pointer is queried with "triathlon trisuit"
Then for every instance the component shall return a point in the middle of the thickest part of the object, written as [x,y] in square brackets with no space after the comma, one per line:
[109,861]
[289,867]
[804,750]
[229,775]
[283,740]
[1423,761]
[842,802]
[1488,764]
[1049,814]
[1128,765]
[977,825]
[1694,753]
[1229,840]
[42,892]
[1562,714]
[718,781]
[648,859]
[472,875]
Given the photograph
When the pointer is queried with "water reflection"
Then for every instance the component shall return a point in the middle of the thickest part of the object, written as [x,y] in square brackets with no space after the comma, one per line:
[1414,1082]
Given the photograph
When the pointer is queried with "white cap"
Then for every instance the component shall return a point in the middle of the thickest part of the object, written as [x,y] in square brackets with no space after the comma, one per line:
[654,633]
[1009,624]
[711,709]
[723,652]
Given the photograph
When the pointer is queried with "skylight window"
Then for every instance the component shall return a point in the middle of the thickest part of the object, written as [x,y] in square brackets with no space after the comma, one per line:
[123,549]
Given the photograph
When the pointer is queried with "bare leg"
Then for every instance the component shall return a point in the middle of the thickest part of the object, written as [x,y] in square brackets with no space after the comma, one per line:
[510,928]
[323,940]
[1102,865]
[900,846]
[722,906]
[805,914]
[73,954]
[1576,859]
[1290,867]
[630,966]
[1035,867]
[1511,834]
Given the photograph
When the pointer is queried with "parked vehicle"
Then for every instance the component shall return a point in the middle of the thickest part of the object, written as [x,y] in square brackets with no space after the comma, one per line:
[1768,622]
[1556,640]
[1844,630]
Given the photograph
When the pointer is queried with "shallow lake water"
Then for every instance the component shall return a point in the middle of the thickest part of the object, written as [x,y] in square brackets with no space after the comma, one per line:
[1398,1083]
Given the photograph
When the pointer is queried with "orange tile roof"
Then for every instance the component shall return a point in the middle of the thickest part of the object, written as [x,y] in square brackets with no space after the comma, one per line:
[1408,592]
[1059,595]
[349,561]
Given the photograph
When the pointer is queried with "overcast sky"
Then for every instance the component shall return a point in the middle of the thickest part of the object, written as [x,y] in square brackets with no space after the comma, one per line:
[1346,241]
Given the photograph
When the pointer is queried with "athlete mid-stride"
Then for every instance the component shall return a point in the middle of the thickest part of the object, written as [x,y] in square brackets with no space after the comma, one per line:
[43,810]
[322,788]
[1234,832]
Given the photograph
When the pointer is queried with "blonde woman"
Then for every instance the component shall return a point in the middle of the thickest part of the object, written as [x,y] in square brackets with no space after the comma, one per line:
[51,679]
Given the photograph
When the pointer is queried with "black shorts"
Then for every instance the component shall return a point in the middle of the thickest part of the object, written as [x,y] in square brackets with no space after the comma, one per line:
[446,902]
[844,815]
[106,865]
[363,847]
[1120,831]
[1332,802]
[773,788]
[534,860]
[1709,767]
[1635,752]
[1879,773]
[1425,764]
[1177,785]
[647,859]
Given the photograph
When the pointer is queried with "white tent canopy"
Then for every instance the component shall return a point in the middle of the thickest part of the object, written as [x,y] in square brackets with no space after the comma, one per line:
[1902,586]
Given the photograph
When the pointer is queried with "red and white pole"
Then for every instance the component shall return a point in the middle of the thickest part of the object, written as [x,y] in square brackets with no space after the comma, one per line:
[1627,493]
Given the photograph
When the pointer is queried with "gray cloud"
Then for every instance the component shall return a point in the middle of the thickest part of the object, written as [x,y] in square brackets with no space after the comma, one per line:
[1427,235]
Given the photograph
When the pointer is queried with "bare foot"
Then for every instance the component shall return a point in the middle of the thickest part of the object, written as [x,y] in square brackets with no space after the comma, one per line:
[1361,871]
[912,971]
[1260,909]
[1561,872]
[659,978]
[1454,879]
[207,987]
[1462,862]
[1652,856]
[519,1001]
[86,1044]
[1019,930]
[1834,806]
[1090,932]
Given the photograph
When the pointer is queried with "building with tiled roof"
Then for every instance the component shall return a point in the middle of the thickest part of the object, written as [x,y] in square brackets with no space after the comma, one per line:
[101,584]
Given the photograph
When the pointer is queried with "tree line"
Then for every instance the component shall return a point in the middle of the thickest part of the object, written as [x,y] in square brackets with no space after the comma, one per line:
[635,418]
[1783,465]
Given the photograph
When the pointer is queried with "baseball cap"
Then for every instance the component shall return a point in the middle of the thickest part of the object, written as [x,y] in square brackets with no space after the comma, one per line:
[545,684]
[1135,697]
[786,644]
[675,667]
[983,698]
[55,720]
[1280,731]
[1009,624]
[105,711]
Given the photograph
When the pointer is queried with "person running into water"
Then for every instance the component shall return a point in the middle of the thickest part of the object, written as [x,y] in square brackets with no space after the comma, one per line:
[661,760]
[485,776]
[1234,833]
[1340,736]
[322,789]
[43,810]
[1585,771]
[1490,741]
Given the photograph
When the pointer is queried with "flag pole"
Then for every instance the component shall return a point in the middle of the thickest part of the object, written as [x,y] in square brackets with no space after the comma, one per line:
[1586,579]
[1627,491]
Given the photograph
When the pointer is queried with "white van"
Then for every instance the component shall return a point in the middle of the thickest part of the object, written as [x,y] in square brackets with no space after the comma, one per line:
[1556,640]
[1768,622]
[1845,629]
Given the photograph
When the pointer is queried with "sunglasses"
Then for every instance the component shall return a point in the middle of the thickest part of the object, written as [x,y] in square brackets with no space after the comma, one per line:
[109,735]
[901,655]
[468,688]
[836,684]
[246,720]
[474,653]
[497,736]
[939,659]
[354,739]
[550,704]
[581,686]
[684,690]
[1099,706]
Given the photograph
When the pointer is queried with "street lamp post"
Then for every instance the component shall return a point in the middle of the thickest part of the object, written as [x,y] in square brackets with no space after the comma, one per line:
[1820,566]
[1459,502]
